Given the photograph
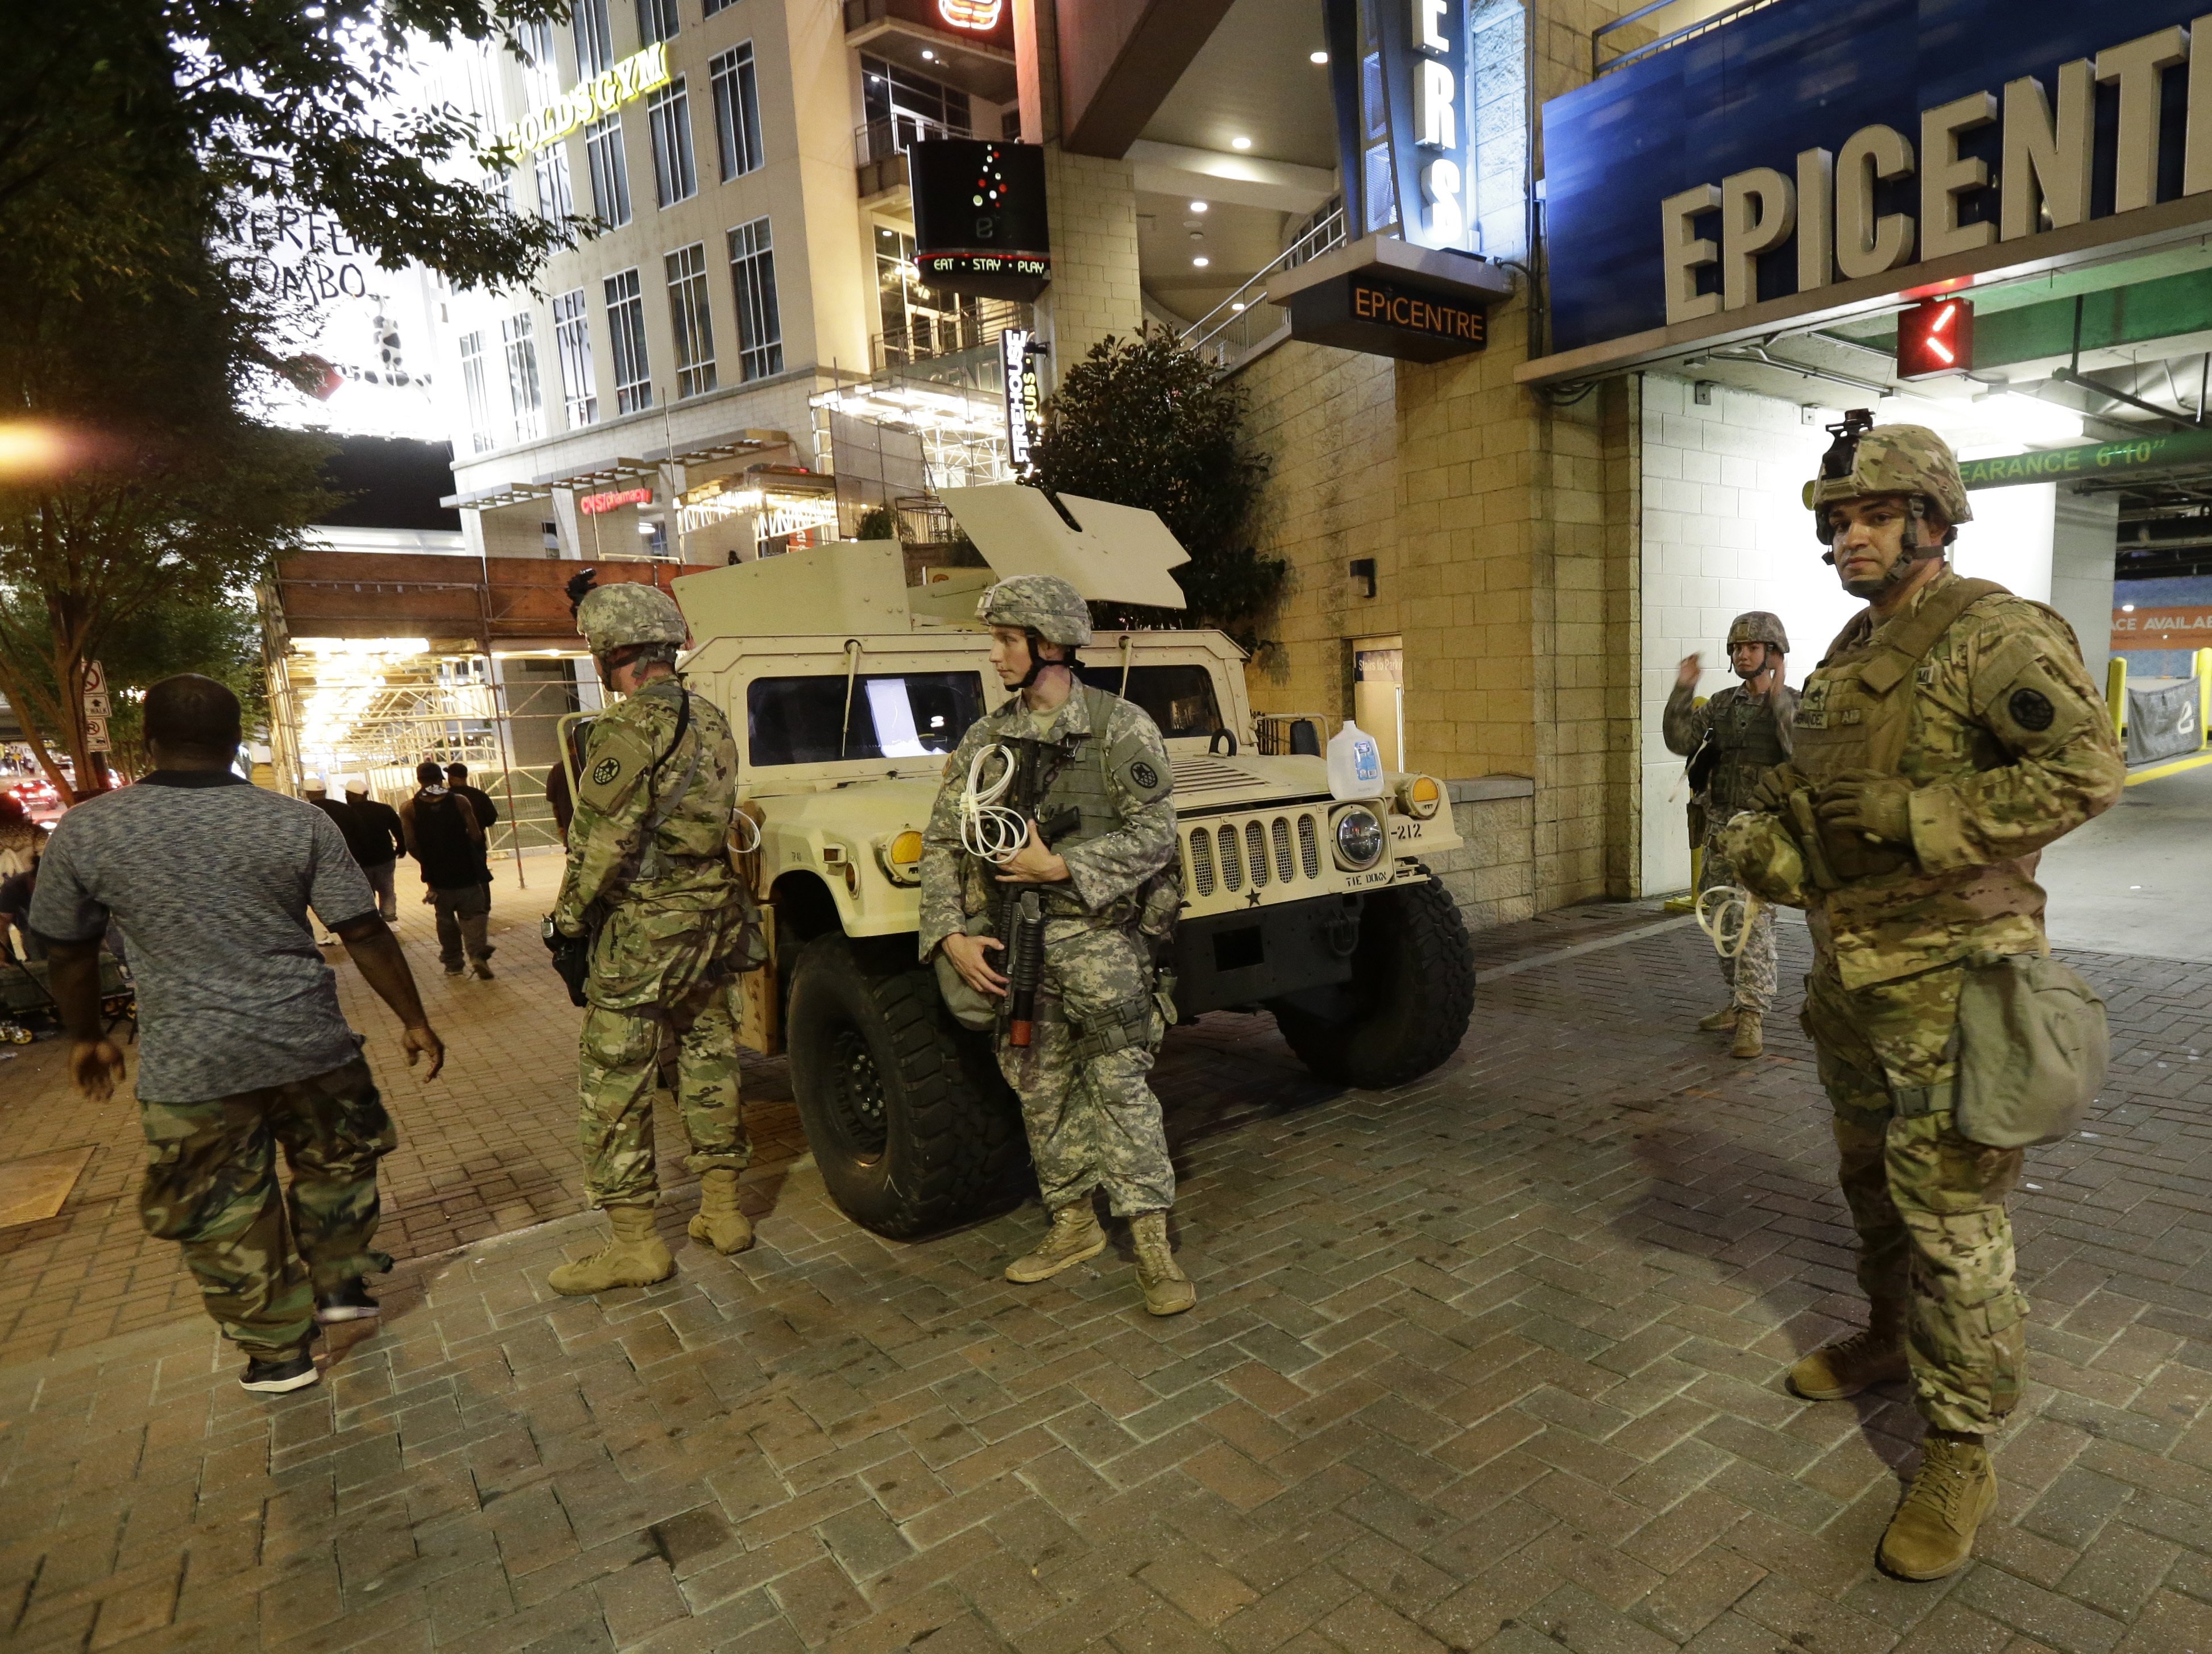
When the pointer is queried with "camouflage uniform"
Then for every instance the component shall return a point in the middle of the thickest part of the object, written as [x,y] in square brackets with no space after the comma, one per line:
[1997,746]
[1092,1117]
[1751,734]
[670,923]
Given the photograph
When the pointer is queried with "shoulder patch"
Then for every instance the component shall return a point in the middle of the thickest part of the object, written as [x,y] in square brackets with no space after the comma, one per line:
[605,771]
[2031,708]
[1144,775]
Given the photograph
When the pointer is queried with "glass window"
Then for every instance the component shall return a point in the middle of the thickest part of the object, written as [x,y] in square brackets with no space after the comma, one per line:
[477,390]
[891,92]
[595,41]
[688,320]
[572,342]
[1179,699]
[919,323]
[603,147]
[668,113]
[519,334]
[759,329]
[656,21]
[737,110]
[626,329]
[541,70]
[711,6]
[555,199]
[895,715]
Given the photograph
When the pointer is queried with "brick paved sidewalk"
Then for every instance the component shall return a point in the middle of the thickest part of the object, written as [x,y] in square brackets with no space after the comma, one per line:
[1491,1362]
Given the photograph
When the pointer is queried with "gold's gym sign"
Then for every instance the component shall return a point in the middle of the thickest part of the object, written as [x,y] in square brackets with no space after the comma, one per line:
[591,99]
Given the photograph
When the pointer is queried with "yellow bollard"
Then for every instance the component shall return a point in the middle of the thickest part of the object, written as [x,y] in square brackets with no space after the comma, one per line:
[2116,693]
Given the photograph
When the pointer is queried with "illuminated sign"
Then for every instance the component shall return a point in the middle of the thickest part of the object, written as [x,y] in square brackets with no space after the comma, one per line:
[1018,355]
[593,505]
[980,223]
[1937,336]
[980,15]
[1360,311]
[1405,117]
[591,99]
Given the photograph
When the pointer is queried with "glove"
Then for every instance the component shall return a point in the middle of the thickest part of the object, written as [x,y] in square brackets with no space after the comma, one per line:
[1769,794]
[1875,808]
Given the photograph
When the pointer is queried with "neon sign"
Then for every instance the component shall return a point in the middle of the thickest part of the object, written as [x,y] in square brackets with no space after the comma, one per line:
[590,99]
[593,505]
[980,15]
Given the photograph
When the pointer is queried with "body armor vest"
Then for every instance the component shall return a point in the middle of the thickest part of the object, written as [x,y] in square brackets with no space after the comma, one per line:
[1072,804]
[1747,735]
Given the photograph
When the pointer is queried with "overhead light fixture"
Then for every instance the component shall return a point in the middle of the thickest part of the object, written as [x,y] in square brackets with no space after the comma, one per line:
[1239,305]
[1198,206]
[1201,262]
[1316,56]
[2127,608]
[1239,142]
[927,56]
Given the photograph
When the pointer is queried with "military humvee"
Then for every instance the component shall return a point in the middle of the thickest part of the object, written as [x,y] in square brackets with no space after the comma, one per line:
[848,688]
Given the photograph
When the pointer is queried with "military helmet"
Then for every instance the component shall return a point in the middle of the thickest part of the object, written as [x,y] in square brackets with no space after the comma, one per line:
[613,616]
[1043,604]
[1758,626]
[1868,460]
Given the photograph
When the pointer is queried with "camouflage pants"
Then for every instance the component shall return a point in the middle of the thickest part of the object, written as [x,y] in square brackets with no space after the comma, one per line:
[619,1071]
[1092,1117]
[212,1187]
[1751,975]
[1928,1206]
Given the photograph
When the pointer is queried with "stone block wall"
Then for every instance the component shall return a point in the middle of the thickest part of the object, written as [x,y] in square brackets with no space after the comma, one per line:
[1492,875]
[1095,290]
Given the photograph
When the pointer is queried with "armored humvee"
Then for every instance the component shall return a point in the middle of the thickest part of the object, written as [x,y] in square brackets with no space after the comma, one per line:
[847,687]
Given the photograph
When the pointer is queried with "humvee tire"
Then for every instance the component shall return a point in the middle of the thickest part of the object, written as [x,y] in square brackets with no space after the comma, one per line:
[1406,1006]
[910,1122]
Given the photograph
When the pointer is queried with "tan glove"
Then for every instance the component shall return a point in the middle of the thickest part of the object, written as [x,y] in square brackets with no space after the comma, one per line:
[1769,794]
[1876,807]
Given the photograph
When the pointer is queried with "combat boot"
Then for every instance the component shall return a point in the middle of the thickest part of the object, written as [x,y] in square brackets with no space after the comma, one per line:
[1074,1236]
[719,1223]
[1933,1531]
[1720,1021]
[633,1256]
[1849,1366]
[1748,1041]
[1167,1291]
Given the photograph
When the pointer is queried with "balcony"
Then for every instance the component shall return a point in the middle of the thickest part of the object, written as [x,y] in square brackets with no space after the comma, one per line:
[879,154]
[916,34]
[958,347]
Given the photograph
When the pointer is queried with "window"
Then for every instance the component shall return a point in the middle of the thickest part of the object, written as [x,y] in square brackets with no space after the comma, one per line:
[802,720]
[519,333]
[656,21]
[890,89]
[737,110]
[668,112]
[572,342]
[541,71]
[1179,699]
[919,322]
[626,329]
[555,199]
[759,330]
[595,41]
[687,321]
[603,147]
[711,6]
[478,391]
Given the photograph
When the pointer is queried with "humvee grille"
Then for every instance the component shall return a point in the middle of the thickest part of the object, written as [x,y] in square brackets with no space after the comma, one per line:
[1202,861]
[1232,861]
[1283,849]
[1261,851]
[1309,846]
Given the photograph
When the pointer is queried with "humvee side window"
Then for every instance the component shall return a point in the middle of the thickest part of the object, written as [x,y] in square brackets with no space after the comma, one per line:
[895,715]
[1179,698]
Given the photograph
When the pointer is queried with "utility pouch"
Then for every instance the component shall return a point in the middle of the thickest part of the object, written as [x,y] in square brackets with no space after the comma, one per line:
[1703,763]
[1117,1027]
[1163,987]
[2032,1050]
[748,947]
[978,1012]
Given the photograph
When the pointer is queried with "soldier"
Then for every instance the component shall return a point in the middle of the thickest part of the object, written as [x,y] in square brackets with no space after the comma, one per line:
[1731,741]
[1092,1119]
[1950,734]
[649,881]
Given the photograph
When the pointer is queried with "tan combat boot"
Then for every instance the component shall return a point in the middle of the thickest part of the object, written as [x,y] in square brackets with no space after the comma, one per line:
[1167,1291]
[1720,1021]
[1074,1236]
[1849,1366]
[1933,1531]
[633,1256]
[719,1223]
[1748,1042]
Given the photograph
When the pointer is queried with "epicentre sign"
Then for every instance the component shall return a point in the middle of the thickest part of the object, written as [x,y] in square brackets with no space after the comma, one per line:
[1817,143]
[591,99]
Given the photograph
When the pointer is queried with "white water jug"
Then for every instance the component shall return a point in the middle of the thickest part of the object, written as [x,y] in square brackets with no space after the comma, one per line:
[1355,764]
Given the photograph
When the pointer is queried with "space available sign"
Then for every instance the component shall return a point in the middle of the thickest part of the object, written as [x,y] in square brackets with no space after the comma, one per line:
[1814,143]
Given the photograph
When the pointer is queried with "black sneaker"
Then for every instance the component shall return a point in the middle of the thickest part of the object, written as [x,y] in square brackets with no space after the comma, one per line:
[350,1302]
[275,1378]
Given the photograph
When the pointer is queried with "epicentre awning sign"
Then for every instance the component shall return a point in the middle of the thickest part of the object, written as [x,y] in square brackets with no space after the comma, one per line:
[1814,143]
[592,99]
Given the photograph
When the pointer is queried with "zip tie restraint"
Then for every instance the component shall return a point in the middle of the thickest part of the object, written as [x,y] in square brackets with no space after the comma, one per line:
[987,828]
[1726,913]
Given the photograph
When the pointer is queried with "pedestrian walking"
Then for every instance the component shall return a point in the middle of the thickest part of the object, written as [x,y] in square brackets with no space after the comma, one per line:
[649,887]
[1949,733]
[242,1048]
[1736,737]
[457,778]
[383,841]
[1081,756]
[444,836]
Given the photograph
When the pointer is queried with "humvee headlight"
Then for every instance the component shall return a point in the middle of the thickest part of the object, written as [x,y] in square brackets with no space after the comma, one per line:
[1358,834]
[901,858]
[1420,796]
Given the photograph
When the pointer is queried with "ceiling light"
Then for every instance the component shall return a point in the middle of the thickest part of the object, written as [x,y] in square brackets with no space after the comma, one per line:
[927,56]
[1201,262]
[1316,56]
[1240,143]
[1239,305]
[1198,206]
[2127,608]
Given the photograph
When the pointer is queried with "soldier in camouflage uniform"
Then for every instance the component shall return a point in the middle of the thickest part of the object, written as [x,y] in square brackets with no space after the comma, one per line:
[1734,739]
[1950,734]
[1092,1119]
[649,880]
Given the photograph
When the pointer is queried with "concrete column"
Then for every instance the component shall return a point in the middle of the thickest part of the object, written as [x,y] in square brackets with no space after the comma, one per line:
[2084,542]
[1095,290]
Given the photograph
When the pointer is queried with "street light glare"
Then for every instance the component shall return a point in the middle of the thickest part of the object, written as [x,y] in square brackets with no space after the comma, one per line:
[28,448]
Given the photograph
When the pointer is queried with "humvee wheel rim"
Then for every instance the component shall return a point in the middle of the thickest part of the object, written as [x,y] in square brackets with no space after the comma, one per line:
[857,1095]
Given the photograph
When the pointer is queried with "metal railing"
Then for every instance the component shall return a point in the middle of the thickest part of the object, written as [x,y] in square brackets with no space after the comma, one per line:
[1234,327]
[1690,31]
[932,336]
[879,140]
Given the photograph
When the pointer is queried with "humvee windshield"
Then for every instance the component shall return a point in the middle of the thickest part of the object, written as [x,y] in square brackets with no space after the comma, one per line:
[1179,698]
[895,715]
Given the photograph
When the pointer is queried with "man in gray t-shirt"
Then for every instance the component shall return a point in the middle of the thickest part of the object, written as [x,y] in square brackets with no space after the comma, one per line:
[241,1044]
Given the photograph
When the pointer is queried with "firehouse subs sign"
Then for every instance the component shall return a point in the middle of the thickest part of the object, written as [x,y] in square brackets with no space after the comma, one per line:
[592,99]
[1816,154]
